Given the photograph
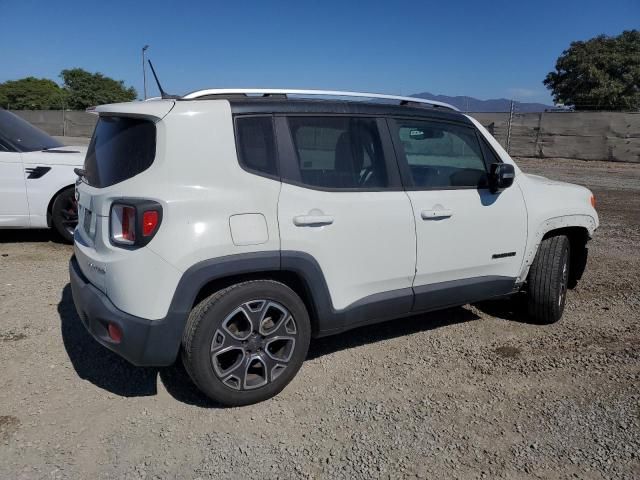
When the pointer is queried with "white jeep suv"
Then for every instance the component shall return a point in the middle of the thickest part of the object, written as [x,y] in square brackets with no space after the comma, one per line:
[234,226]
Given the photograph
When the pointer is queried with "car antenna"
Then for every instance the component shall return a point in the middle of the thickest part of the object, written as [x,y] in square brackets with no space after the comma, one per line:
[163,94]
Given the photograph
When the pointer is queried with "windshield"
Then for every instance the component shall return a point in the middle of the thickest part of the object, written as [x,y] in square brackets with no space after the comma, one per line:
[23,136]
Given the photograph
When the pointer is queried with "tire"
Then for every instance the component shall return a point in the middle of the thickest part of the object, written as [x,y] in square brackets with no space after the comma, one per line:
[548,280]
[64,214]
[244,344]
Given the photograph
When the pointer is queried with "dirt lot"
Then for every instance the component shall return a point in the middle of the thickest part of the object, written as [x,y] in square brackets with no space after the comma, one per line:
[472,392]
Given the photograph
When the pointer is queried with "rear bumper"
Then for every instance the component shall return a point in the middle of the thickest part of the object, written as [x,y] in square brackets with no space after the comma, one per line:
[144,342]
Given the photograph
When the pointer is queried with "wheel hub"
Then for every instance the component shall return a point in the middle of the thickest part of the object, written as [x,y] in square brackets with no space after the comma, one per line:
[255,343]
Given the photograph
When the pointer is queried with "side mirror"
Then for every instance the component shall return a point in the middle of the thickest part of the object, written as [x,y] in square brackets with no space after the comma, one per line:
[501,176]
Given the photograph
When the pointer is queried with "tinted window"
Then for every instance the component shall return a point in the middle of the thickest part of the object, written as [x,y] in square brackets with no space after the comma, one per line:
[442,155]
[121,147]
[339,152]
[489,155]
[22,135]
[256,146]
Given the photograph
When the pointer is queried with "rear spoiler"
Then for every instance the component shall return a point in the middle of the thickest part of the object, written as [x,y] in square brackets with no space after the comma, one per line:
[151,108]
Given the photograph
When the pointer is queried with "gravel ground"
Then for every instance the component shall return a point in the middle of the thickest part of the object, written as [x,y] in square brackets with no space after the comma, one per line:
[471,392]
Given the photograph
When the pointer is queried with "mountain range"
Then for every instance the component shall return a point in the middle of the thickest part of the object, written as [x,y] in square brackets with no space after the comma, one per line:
[470,104]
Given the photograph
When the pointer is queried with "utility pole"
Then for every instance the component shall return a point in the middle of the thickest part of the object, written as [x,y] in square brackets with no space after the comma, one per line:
[64,121]
[144,71]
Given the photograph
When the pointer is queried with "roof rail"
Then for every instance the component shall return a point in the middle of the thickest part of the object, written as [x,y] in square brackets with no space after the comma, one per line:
[311,93]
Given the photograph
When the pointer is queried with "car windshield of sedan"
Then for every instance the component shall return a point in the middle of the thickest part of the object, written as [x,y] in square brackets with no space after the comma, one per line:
[20,135]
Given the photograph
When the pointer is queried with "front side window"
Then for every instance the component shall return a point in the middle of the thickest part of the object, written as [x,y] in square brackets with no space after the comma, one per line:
[441,155]
[339,152]
[256,144]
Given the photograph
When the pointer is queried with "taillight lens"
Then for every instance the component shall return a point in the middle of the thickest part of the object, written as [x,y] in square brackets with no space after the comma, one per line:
[123,224]
[134,222]
[593,200]
[150,221]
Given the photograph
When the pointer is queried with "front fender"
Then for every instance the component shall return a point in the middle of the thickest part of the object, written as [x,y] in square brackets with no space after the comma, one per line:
[587,222]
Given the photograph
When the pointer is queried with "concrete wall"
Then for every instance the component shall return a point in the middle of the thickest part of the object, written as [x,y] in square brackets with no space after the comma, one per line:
[55,122]
[580,135]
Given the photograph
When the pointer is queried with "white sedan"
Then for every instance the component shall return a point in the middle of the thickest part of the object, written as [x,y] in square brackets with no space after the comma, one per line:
[37,178]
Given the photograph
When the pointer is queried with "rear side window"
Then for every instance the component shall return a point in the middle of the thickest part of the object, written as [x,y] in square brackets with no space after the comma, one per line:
[256,145]
[339,152]
[442,155]
[121,148]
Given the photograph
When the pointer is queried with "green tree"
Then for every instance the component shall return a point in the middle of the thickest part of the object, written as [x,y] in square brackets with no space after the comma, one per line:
[31,94]
[600,74]
[86,89]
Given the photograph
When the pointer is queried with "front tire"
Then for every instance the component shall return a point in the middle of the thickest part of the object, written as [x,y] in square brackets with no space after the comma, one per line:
[64,214]
[244,344]
[548,280]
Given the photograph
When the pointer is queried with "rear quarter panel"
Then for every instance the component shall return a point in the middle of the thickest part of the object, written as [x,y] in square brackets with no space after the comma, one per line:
[198,181]
[204,186]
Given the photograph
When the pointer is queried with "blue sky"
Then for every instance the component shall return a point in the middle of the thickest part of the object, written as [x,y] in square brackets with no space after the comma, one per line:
[478,48]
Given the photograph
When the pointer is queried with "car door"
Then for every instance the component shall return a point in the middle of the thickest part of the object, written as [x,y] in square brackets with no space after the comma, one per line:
[470,241]
[342,203]
[14,209]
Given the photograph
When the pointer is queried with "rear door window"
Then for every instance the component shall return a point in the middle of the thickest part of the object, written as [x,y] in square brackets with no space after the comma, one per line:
[121,148]
[339,152]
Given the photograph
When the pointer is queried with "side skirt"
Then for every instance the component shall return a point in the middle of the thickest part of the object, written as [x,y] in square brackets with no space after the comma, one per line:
[459,292]
[410,301]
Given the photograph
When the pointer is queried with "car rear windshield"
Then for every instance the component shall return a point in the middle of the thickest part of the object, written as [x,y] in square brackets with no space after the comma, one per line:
[121,148]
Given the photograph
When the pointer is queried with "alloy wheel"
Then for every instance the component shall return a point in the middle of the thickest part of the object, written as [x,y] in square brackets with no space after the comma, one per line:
[69,213]
[253,345]
[563,282]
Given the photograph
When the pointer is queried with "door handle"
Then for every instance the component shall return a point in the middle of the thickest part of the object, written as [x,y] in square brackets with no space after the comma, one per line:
[436,214]
[312,220]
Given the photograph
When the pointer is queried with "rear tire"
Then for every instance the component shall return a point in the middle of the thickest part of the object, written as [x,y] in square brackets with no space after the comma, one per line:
[245,343]
[548,280]
[64,214]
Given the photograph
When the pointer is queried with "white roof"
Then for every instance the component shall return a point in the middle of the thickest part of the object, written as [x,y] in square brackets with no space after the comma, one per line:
[311,93]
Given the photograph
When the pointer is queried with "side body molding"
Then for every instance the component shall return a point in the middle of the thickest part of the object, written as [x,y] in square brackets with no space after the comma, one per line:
[378,307]
[371,309]
[198,275]
[327,321]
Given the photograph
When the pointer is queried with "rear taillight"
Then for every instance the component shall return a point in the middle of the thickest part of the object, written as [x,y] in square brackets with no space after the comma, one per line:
[150,221]
[134,222]
[123,224]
